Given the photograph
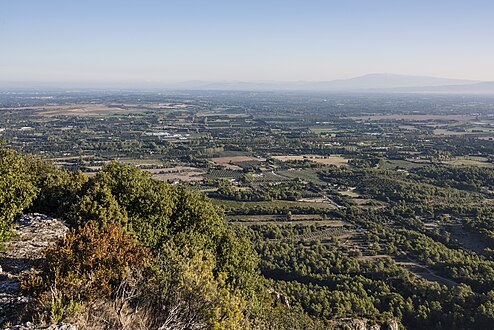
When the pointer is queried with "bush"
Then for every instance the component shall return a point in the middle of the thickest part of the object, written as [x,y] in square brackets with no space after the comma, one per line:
[96,204]
[158,214]
[57,188]
[192,267]
[17,190]
[183,293]
[92,261]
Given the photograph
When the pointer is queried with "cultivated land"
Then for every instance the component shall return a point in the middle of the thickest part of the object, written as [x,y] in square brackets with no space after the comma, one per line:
[383,200]
[325,160]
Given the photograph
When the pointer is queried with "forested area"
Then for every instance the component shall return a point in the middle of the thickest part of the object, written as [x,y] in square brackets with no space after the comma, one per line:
[330,283]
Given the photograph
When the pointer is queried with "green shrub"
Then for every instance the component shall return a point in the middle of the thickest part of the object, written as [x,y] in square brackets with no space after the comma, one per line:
[96,204]
[159,214]
[17,190]
[57,187]
[92,261]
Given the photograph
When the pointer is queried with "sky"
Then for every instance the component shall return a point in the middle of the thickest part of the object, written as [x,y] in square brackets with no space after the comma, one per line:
[151,41]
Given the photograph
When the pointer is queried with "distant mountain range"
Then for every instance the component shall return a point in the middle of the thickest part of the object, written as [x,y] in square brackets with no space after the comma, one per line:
[377,83]
[366,83]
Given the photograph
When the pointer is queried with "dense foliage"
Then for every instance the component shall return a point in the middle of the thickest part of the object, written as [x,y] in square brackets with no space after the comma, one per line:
[141,253]
[17,189]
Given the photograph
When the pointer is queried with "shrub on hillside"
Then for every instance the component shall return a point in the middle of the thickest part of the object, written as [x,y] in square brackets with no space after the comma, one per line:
[183,293]
[57,187]
[96,204]
[17,190]
[159,214]
[91,262]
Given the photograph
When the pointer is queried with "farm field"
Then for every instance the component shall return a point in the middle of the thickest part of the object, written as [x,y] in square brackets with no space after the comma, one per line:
[325,160]
[235,159]
[225,174]
[350,193]
[309,175]
[84,110]
[447,132]
[179,173]
[403,164]
[470,161]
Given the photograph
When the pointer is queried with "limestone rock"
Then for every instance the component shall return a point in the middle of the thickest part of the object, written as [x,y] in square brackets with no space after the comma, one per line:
[363,324]
[392,325]
[30,326]
[33,233]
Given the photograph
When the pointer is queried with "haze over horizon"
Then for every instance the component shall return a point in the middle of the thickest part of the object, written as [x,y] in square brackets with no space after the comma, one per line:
[152,42]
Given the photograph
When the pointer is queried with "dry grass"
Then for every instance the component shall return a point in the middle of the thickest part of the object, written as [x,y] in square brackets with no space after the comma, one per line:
[103,315]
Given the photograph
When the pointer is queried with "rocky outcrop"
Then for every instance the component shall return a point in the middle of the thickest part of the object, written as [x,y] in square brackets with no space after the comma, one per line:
[33,233]
[393,325]
[30,326]
[279,297]
[364,324]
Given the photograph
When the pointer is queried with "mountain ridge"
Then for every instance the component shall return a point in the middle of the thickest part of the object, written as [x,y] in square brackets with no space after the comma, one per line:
[374,82]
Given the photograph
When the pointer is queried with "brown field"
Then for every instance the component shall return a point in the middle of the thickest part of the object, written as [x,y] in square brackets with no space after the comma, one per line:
[233,167]
[277,203]
[424,272]
[350,193]
[178,173]
[442,131]
[472,161]
[168,106]
[141,162]
[79,110]
[326,160]
[236,159]
[315,200]
[361,201]
[223,115]
[94,109]
[376,257]
[69,158]
[471,240]
[408,127]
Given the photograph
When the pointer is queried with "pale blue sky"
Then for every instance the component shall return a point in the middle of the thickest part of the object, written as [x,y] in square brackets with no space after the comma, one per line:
[158,41]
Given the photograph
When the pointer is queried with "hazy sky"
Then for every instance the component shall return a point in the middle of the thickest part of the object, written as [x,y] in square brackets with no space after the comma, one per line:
[151,40]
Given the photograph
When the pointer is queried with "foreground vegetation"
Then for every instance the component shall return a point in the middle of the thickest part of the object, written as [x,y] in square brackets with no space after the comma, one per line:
[140,253]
